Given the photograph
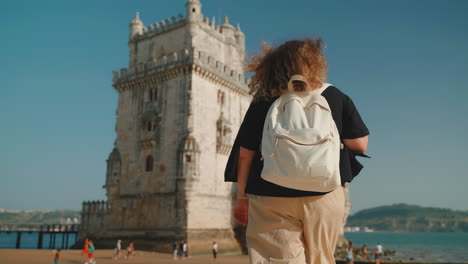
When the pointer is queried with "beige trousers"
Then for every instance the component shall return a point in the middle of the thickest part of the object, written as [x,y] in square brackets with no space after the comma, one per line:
[295,230]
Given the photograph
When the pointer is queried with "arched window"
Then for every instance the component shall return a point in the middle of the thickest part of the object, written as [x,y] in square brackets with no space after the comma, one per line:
[148,126]
[149,163]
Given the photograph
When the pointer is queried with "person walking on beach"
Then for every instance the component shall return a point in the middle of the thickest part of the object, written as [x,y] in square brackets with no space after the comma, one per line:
[130,250]
[175,246]
[181,249]
[57,257]
[215,249]
[377,256]
[380,248]
[349,253]
[293,224]
[118,249]
[91,249]
[184,249]
[85,247]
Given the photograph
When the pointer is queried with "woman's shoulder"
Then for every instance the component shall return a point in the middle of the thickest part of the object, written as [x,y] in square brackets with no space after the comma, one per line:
[260,106]
[334,91]
[262,102]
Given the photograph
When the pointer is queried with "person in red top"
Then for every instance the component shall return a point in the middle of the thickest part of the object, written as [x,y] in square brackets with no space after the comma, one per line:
[57,257]
[85,247]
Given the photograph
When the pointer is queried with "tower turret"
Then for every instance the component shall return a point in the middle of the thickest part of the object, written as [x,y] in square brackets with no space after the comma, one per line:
[240,38]
[136,27]
[193,10]
[227,29]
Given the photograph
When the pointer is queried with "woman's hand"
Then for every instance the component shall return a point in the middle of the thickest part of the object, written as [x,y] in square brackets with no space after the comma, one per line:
[241,211]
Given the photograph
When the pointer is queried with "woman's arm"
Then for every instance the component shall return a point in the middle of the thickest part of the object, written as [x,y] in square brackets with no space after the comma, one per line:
[357,144]
[243,168]
[241,211]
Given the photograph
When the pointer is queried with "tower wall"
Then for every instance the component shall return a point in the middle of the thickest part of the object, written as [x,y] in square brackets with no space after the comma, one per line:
[181,101]
[131,135]
[156,44]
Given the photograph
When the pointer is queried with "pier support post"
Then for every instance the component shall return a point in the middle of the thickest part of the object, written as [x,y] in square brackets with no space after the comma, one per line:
[39,240]
[18,240]
[66,239]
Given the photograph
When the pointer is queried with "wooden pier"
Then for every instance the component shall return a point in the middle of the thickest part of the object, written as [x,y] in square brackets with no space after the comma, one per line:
[52,230]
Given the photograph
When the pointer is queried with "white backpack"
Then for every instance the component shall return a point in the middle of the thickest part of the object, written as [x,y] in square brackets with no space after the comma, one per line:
[300,142]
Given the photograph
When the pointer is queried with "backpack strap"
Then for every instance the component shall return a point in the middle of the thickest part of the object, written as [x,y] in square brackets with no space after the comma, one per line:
[323,88]
[297,77]
[301,78]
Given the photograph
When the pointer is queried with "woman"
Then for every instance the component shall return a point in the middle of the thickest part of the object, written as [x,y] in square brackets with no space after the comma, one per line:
[85,247]
[130,250]
[287,225]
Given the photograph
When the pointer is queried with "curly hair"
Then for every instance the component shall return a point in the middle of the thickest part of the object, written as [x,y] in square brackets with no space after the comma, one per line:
[273,67]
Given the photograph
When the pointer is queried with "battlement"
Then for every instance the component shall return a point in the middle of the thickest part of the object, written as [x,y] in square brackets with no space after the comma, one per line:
[178,59]
[224,31]
[161,27]
[219,28]
[95,207]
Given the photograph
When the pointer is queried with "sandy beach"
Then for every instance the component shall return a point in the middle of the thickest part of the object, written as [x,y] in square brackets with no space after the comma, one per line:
[33,256]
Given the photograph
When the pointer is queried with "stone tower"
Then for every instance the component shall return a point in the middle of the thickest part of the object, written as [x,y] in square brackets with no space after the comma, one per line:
[181,99]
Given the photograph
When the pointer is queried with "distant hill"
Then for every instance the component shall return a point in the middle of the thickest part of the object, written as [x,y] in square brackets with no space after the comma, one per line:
[410,218]
[38,216]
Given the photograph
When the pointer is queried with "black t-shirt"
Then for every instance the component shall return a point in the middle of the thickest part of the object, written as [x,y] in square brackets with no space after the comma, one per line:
[348,122]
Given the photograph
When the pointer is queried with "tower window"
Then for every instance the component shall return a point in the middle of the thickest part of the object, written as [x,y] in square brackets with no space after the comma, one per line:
[221,97]
[152,94]
[149,163]
[188,158]
[148,126]
[193,10]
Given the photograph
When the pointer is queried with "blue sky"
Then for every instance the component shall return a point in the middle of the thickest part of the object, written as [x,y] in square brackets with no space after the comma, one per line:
[404,63]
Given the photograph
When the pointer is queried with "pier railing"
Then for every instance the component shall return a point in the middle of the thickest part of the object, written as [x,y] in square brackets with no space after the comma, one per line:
[57,228]
[63,230]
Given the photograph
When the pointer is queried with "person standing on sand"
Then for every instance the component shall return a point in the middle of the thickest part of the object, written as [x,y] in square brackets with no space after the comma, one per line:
[377,256]
[364,251]
[181,249]
[175,246]
[90,253]
[284,224]
[85,247]
[184,248]
[349,253]
[380,248]
[130,250]
[215,249]
[57,257]
[118,249]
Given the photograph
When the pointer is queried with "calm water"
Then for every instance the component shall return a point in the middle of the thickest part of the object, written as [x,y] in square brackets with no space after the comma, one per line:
[29,240]
[434,247]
